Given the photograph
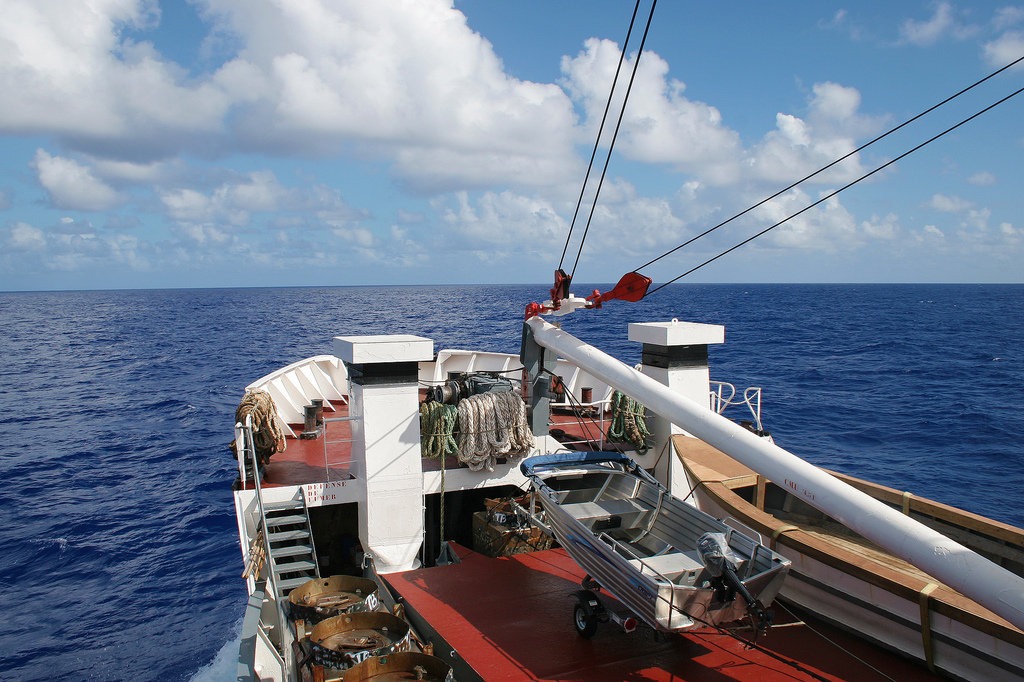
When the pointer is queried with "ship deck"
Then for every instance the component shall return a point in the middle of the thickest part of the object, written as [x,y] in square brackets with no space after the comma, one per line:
[327,458]
[511,619]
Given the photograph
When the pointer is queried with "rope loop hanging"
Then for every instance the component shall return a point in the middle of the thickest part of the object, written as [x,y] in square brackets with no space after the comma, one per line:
[491,426]
[438,424]
[628,423]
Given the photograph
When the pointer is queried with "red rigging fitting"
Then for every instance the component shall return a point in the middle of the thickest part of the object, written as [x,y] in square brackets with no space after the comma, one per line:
[561,289]
[632,287]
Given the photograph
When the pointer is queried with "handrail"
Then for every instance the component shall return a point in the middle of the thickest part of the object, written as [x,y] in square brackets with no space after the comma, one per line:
[600,421]
[248,447]
[718,403]
[751,398]
[312,545]
[329,420]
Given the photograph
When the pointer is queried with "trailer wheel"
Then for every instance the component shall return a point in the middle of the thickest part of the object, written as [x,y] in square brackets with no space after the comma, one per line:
[586,623]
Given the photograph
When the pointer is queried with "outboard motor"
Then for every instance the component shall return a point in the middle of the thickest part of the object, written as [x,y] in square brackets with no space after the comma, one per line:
[721,563]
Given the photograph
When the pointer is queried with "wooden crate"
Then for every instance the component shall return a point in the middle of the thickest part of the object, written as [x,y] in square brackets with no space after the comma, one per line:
[498,540]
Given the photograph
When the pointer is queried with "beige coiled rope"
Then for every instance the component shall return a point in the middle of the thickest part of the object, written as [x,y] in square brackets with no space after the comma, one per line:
[267,435]
[492,425]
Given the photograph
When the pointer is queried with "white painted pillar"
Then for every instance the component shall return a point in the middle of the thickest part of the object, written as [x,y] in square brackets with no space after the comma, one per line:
[675,354]
[383,371]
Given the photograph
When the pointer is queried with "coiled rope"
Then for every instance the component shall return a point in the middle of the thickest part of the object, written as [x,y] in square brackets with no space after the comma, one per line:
[267,435]
[629,422]
[492,425]
[437,430]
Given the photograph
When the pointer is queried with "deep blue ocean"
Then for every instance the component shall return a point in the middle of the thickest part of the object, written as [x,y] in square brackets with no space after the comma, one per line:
[120,557]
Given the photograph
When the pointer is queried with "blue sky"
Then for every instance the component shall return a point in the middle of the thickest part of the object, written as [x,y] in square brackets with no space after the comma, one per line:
[334,142]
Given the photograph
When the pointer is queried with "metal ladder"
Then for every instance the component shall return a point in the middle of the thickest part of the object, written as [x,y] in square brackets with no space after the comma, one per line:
[288,536]
[290,540]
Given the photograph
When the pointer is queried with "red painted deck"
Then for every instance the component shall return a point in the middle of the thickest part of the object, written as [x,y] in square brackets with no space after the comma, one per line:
[511,619]
[303,461]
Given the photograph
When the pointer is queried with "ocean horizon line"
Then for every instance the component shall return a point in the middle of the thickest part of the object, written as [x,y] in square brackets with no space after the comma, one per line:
[545,286]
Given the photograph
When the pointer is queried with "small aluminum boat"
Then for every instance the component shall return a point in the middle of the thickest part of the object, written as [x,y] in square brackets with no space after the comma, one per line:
[673,566]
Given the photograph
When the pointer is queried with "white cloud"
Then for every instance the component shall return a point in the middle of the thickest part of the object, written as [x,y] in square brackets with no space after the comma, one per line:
[828,226]
[409,78]
[885,228]
[627,223]
[500,221]
[663,126]
[202,235]
[1005,49]
[411,92]
[977,220]
[356,236]
[660,124]
[943,23]
[940,202]
[1006,17]
[187,204]
[68,225]
[407,217]
[797,148]
[233,202]
[497,226]
[73,186]
[135,173]
[65,51]
[24,237]
[982,178]
[71,246]
[406,80]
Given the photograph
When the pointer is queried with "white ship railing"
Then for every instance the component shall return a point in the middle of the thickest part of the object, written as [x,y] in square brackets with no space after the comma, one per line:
[600,421]
[722,398]
[340,441]
[294,386]
[245,446]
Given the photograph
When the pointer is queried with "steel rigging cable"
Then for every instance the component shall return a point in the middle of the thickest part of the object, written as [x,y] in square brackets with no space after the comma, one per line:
[600,129]
[611,145]
[825,168]
[844,187]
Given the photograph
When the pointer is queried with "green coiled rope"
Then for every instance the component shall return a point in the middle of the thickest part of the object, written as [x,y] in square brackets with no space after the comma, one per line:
[438,423]
[629,422]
